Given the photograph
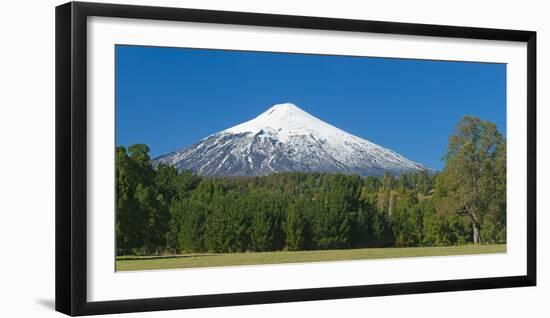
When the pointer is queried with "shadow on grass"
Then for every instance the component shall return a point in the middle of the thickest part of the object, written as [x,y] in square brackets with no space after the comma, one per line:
[144,258]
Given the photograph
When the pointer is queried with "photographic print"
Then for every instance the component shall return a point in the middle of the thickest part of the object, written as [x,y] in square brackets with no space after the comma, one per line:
[199,150]
[229,158]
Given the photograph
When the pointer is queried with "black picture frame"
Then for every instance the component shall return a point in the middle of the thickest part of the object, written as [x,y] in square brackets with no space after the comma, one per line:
[71,157]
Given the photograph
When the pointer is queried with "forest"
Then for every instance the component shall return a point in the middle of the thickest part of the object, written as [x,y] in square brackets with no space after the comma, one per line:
[162,211]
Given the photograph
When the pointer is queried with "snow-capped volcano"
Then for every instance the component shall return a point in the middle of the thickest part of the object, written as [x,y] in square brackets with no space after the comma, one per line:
[285,138]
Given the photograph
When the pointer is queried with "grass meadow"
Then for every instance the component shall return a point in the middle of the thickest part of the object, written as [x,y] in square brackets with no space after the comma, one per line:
[136,263]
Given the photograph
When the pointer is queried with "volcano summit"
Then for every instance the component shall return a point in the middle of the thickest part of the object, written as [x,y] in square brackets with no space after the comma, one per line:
[285,138]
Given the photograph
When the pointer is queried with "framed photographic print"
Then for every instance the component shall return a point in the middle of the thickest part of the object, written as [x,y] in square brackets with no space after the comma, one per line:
[210,158]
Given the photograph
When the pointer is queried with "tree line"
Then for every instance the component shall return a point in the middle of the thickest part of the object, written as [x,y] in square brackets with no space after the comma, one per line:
[161,210]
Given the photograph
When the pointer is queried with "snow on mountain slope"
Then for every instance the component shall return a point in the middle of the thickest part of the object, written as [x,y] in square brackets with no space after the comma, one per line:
[285,138]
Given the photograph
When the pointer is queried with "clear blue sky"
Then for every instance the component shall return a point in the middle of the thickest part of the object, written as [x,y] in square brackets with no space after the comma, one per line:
[169,98]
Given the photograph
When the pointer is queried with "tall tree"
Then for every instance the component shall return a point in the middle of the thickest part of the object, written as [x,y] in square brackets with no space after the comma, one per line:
[296,226]
[127,231]
[467,184]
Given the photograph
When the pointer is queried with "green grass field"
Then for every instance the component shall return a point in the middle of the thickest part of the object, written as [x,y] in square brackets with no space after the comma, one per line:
[136,263]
